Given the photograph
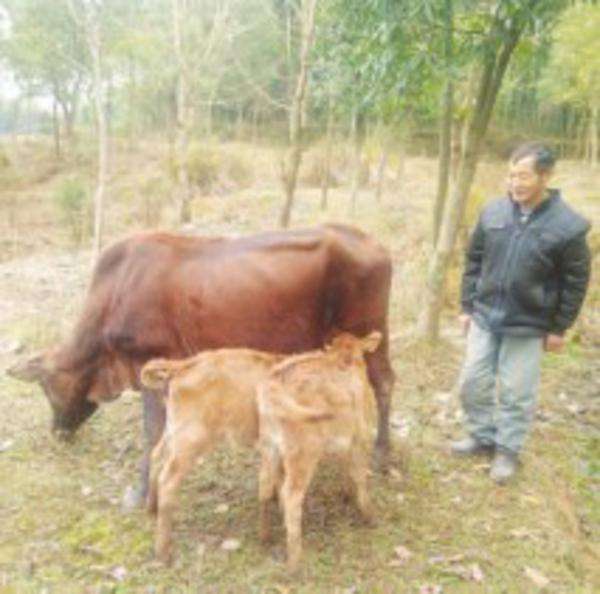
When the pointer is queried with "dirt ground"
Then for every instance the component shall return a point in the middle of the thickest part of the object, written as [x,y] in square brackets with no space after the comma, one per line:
[442,525]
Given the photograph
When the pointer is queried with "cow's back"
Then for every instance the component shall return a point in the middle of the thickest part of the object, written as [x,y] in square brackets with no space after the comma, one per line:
[163,295]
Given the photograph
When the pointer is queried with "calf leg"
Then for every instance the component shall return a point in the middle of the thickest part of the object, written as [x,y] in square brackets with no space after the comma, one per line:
[268,484]
[157,453]
[179,462]
[299,471]
[358,472]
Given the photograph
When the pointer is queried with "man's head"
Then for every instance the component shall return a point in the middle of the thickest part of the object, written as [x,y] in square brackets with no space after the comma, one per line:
[530,168]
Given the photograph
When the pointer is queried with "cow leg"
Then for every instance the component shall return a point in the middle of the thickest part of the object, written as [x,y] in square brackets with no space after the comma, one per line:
[154,424]
[381,377]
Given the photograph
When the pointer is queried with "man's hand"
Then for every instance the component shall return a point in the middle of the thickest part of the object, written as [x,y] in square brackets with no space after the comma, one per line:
[554,343]
[465,322]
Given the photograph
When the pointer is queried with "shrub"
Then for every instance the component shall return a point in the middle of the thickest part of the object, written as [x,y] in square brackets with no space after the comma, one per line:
[73,202]
[215,168]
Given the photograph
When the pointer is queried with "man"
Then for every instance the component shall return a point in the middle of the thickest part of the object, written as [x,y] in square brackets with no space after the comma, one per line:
[526,274]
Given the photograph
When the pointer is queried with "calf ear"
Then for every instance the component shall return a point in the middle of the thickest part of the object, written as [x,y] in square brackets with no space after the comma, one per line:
[30,369]
[371,342]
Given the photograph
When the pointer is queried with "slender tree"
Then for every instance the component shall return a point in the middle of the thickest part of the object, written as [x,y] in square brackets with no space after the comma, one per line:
[506,28]
[294,153]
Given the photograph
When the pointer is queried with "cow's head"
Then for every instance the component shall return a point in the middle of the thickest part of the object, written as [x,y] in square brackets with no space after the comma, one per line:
[66,389]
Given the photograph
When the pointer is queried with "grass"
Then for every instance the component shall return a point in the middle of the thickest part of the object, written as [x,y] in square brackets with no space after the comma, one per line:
[62,528]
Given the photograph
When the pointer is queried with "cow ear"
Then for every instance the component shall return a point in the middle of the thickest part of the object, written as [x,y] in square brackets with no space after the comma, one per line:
[371,342]
[30,369]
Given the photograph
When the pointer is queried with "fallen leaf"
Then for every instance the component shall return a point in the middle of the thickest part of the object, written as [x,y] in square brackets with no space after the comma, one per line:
[460,570]
[119,573]
[6,445]
[530,499]
[476,573]
[522,533]
[231,544]
[402,553]
[442,397]
[538,578]
[10,347]
[222,508]
[130,499]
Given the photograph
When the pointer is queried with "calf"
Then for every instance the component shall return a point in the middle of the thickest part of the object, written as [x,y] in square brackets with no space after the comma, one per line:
[211,396]
[311,405]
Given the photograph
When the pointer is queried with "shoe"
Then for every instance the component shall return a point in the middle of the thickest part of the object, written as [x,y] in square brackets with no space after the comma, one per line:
[504,466]
[469,446]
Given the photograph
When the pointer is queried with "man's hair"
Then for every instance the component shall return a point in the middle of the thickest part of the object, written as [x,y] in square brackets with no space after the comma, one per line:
[543,157]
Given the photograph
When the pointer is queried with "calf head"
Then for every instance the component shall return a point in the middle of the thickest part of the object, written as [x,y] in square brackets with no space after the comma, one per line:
[352,348]
[65,389]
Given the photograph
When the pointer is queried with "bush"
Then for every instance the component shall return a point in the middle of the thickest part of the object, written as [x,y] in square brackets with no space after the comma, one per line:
[72,199]
[216,169]
[203,167]
[4,160]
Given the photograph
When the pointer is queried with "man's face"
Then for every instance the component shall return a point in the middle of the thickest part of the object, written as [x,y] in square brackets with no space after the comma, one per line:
[525,184]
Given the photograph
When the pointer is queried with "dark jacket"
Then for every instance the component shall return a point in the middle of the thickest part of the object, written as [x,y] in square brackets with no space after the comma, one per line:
[527,278]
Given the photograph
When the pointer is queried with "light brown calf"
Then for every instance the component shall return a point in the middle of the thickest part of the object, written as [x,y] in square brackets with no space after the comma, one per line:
[314,404]
[211,397]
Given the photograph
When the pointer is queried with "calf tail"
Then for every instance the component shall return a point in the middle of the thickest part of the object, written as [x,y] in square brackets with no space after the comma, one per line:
[287,408]
[158,372]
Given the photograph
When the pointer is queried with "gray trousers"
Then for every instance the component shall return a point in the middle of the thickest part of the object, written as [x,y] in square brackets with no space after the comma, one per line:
[506,367]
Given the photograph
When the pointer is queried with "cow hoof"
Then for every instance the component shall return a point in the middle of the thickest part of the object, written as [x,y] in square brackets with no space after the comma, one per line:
[164,555]
[368,520]
[381,460]
[132,499]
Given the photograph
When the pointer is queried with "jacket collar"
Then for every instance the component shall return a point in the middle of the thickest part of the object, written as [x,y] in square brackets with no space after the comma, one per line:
[552,196]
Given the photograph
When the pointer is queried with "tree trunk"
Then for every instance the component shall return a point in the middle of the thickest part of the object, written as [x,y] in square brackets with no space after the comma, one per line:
[181,117]
[131,97]
[254,128]
[496,57]
[381,175]
[239,123]
[326,171]
[445,143]
[294,155]
[68,118]
[56,129]
[358,134]
[594,136]
[94,41]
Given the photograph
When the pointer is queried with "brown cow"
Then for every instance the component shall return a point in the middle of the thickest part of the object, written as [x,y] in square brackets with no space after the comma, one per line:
[161,295]
[211,398]
[312,405]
